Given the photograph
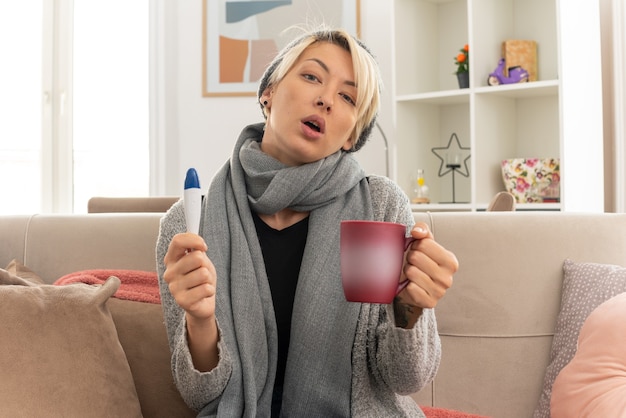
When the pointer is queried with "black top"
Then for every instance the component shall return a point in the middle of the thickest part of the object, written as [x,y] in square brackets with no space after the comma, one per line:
[282,253]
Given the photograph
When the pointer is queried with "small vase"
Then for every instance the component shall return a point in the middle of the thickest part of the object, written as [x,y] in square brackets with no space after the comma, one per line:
[463,79]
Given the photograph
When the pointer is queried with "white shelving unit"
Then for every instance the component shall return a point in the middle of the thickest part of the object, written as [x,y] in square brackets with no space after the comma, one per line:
[559,115]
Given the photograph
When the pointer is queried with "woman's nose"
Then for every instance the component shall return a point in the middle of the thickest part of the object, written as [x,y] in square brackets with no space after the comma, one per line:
[324,103]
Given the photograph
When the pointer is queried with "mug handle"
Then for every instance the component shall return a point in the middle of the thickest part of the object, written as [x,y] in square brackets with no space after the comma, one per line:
[407,241]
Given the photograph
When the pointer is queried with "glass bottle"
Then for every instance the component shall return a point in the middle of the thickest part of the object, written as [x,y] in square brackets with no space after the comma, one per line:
[420,192]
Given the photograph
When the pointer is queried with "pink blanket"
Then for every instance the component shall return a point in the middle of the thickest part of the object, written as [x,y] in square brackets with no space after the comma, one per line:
[431,412]
[136,285]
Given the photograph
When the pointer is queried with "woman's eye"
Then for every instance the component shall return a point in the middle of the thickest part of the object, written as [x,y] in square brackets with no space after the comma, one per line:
[310,77]
[348,99]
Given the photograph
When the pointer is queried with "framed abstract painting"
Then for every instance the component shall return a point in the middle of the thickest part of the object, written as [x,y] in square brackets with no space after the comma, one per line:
[241,37]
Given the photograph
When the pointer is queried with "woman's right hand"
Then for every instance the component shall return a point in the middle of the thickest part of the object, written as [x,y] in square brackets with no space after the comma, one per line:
[191,276]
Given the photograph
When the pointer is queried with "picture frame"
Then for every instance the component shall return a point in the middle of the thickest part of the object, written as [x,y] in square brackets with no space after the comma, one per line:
[240,38]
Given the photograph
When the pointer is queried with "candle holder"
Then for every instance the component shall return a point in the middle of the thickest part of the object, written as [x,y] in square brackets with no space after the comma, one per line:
[453,159]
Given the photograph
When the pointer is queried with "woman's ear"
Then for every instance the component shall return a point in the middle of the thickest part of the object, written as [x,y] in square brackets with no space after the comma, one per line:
[350,142]
[265,98]
[347,146]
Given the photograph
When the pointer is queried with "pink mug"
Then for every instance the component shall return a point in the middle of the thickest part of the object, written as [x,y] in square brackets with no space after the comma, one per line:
[372,256]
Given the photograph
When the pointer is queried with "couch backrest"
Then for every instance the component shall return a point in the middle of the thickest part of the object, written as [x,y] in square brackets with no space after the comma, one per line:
[100,204]
[498,319]
[55,245]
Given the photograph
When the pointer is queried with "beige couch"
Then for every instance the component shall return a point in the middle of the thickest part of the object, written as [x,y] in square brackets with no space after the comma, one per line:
[496,323]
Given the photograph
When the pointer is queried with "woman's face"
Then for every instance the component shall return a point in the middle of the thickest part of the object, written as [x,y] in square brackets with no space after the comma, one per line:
[312,110]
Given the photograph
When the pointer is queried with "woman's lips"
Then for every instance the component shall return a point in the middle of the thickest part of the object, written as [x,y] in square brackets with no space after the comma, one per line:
[313,126]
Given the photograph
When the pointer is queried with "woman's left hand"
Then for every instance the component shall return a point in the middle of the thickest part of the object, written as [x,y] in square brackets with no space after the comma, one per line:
[429,267]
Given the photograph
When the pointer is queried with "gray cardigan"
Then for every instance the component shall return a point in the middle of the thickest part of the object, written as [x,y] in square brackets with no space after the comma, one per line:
[388,362]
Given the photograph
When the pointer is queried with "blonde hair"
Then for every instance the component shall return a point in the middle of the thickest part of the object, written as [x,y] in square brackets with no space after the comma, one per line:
[366,73]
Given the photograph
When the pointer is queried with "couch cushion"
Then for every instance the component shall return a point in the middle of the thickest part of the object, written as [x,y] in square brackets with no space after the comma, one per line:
[142,333]
[593,384]
[60,352]
[585,287]
[22,273]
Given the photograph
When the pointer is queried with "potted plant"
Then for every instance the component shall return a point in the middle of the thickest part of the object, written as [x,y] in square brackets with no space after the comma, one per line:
[462,67]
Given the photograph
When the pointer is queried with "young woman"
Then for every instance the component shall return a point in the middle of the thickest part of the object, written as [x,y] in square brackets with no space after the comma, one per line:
[254,308]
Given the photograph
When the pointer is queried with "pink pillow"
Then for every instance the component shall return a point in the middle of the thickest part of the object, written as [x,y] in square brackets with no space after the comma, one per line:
[593,384]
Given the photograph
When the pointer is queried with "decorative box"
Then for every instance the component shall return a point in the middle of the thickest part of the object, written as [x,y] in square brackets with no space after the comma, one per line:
[523,53]
[532,180]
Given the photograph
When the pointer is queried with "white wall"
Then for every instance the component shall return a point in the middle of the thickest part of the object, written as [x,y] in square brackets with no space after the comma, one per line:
[199,132]
[193,131]
[619,104]
[613,32]
[196,131]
